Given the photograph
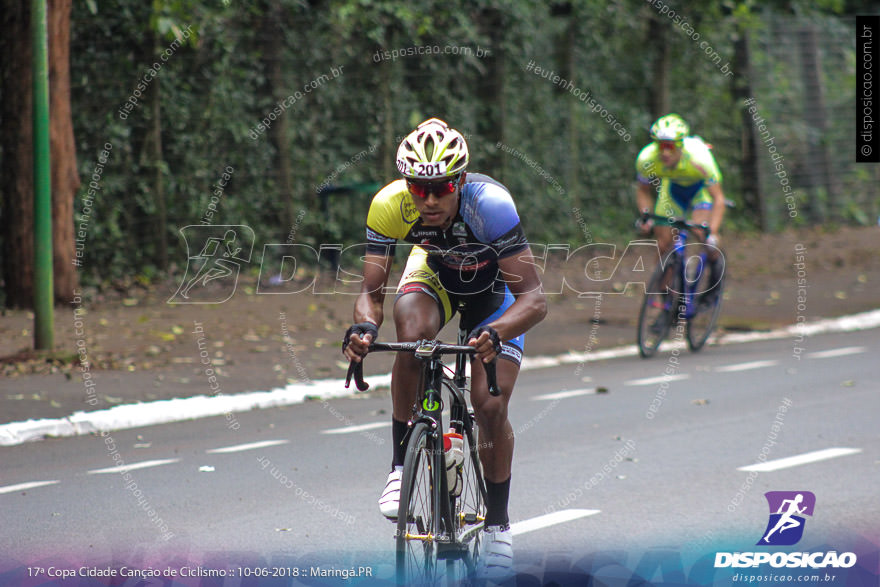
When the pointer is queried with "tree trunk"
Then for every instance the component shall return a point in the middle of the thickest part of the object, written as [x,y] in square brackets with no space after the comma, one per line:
[819,175]
[65,178]
[741,88]
[490,94]
[389,144]
[16,165]
[158,167]
[569,42]
[16,172]
[279,130]
[658,39]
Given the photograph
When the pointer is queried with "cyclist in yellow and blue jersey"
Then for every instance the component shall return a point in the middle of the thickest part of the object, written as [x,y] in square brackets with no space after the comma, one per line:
[470,254]
[689,182]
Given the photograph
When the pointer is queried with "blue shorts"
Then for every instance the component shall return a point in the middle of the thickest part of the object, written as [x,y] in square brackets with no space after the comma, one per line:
[476,309]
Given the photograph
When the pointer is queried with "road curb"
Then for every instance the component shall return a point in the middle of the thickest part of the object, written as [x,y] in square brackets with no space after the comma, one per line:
[176,410]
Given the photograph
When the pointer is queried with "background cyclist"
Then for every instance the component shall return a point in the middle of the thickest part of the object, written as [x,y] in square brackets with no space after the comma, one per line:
[470,247]
[689,181]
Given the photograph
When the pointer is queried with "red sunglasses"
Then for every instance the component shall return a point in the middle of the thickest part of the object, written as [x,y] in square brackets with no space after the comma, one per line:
[667,145]
[438,188]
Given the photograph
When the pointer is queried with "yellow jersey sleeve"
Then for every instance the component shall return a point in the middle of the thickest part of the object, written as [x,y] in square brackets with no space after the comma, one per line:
[701,160]
[390,218]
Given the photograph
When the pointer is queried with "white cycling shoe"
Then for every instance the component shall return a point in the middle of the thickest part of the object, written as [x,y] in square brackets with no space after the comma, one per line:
[496,560]
[390,500]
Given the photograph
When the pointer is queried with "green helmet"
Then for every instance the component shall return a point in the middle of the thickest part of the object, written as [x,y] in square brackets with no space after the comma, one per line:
[432,151]
[671,127]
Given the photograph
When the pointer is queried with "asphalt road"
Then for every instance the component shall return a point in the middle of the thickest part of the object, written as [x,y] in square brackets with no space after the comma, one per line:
[653,459]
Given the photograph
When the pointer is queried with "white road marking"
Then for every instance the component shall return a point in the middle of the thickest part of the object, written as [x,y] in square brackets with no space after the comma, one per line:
[352,429]
[25,486]
[849,350]
[164,411]
[249,446]
[655,380]
[134,466]
[546,520]
[804,459]
[747,366]
[564,394]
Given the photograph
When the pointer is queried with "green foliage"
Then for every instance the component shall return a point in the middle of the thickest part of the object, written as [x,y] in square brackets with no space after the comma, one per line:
[241,62]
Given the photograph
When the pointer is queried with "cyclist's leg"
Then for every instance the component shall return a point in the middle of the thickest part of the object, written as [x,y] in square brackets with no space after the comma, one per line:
[418,313]
[421,309]
[496,433]
[667,207]
[702,213]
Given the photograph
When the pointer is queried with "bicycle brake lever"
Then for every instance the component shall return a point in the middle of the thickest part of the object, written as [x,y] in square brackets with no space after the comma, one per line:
[356,370]
[491,378]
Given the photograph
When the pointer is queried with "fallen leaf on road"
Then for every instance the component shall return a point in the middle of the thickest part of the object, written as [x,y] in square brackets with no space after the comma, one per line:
[206,469]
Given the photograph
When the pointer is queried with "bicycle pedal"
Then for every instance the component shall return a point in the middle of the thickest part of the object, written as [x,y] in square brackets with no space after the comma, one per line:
[470,518]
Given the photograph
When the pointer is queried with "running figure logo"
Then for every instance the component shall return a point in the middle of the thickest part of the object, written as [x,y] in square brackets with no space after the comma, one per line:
[222,251]
[787,508]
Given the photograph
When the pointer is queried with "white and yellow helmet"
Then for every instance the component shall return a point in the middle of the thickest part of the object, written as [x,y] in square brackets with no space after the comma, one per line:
[432,151]
[671,127]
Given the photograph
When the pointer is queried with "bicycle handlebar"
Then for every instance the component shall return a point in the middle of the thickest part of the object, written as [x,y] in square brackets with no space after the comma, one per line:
[423,349]
[675,222]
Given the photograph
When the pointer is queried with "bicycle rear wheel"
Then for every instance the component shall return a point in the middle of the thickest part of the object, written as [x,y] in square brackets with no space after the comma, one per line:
[658,309]
[705,315]
[418,524]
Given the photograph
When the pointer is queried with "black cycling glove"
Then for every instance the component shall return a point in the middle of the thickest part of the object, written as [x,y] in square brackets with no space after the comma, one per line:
[360,329]
[493,336]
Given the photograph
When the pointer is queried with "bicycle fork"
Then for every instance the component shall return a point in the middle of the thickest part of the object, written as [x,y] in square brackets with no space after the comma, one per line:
[431,413]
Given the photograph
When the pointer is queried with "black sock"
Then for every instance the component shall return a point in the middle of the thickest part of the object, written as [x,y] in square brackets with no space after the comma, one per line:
[497,496]
[398,438]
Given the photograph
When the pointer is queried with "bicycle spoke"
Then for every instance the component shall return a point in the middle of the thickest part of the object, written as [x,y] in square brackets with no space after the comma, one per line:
[470,505]
[658,311]
[704,315]
[416,538]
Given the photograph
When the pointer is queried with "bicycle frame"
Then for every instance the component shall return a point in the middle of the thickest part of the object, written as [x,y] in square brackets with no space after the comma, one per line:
[681,274]
[683,258]
[428,408]
[689,278]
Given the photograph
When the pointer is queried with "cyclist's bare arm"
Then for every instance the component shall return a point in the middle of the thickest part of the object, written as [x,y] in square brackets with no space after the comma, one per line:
[530,307]
[369,304]
[645,202]
[645,197]
[718,207]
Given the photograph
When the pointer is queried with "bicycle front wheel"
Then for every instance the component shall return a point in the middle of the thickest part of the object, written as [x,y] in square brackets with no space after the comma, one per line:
[418,523]
[705,314]
[470,504]
[659,309]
